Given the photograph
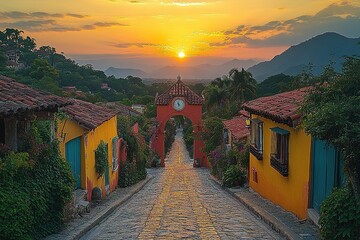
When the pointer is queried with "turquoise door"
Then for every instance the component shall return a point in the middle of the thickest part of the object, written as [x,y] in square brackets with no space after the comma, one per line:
[107,177]
[73,157]
[327,172]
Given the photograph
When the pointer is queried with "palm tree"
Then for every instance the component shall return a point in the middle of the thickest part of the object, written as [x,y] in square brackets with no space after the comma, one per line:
[242,84]
[28,44]
[216,97]
[2,37]
[222,82]
[13,36]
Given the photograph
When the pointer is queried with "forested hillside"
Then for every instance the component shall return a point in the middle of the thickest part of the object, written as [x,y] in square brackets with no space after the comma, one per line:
[45,68]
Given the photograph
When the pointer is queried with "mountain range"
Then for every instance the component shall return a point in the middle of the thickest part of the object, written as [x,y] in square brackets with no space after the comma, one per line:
[318,52]
[124,72]
[202,71]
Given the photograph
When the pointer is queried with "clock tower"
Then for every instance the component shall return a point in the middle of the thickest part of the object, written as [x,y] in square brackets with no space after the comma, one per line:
[179,99]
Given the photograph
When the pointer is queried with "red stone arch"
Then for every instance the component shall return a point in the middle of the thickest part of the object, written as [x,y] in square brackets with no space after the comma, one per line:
[192,110]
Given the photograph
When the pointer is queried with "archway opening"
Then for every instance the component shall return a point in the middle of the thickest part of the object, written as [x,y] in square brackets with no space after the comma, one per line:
[179,100]
[185,125]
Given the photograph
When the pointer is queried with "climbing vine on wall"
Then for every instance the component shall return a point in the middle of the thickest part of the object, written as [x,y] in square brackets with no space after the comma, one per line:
[35,186]
[101,158]
[133,169]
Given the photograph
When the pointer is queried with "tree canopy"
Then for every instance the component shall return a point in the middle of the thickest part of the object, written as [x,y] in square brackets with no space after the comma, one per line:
[223,96]
[332,112]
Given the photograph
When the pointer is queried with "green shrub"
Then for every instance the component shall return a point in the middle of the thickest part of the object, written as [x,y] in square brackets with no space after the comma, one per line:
[101,158]
[153,160]
[232,156]
[138,152]
[34,188]
[340,216]
[189,137]
[15,208]
[218,162]
[244,157]
[234,176]
[170,132]
[127,174]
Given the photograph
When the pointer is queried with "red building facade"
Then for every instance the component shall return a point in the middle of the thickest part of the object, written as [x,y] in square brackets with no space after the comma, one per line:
[179,100]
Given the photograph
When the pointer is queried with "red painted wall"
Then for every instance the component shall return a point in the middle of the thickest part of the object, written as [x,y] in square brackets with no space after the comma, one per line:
[164,113]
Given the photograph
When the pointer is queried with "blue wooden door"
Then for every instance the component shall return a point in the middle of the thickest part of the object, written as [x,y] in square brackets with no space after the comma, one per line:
[73,157]
[107,176]
[324,172]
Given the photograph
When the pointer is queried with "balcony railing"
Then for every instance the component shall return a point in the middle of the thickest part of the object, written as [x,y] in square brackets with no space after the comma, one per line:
[282,168]
[258,154]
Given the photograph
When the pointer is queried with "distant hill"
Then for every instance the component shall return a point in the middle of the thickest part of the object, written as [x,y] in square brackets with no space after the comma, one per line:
[318,51]
[202,71]
[124,72]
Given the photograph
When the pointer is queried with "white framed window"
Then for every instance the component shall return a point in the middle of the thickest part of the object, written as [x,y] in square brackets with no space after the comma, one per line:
[256,138]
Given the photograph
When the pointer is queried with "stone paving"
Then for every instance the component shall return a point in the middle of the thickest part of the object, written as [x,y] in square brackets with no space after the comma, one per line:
[181,202]
[300,229]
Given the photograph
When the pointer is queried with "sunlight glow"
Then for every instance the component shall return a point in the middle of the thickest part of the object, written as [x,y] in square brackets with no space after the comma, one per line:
[181,54]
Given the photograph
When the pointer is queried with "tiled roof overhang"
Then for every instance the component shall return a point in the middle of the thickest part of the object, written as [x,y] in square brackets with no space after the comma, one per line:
[88,115]
[179,89]
[18,99]
[237,126]
[281,108]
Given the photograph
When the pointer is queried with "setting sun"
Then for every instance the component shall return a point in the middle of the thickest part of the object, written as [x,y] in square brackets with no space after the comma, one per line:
[181,54]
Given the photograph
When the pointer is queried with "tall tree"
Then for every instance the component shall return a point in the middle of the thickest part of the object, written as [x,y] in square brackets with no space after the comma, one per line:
[215,97]
[27,44]
[223,82]
[3,60]
[41,68]
[47,52]
[332,112]
[13,37]
[242,84]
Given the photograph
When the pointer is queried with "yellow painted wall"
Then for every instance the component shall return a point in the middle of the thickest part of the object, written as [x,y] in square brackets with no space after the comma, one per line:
[89,143]
[290,192]
[72,130]
[106,132]
[230,137]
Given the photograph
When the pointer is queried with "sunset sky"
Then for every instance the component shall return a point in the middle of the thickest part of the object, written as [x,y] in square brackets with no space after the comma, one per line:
[162,28]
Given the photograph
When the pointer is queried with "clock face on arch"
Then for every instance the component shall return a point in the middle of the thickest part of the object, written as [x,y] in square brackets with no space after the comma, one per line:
[179,104]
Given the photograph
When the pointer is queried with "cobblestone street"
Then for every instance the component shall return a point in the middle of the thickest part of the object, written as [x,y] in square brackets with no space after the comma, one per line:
[181,202]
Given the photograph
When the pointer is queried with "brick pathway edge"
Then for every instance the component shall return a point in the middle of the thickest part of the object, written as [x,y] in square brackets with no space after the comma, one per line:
[84,228]
[265,216]
[110,210]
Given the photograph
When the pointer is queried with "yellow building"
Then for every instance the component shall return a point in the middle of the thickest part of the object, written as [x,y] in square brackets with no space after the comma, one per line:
[80,134]
[280,159]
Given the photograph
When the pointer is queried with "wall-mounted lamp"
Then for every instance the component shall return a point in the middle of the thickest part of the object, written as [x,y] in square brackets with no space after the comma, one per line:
[248,122]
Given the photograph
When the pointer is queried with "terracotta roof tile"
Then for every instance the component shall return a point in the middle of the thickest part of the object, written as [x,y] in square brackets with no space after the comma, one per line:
[280,108]
[237,126]
[120,108]
[17,98]
[179,89]
[88,115]
[244,113]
